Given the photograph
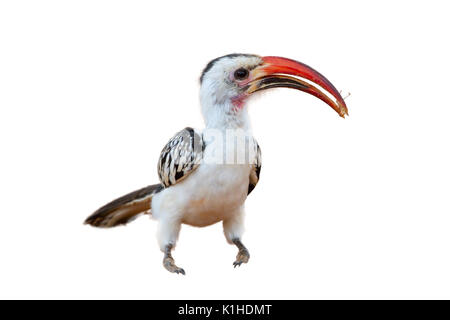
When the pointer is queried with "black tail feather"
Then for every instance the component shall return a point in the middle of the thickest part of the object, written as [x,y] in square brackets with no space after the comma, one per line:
[124,209]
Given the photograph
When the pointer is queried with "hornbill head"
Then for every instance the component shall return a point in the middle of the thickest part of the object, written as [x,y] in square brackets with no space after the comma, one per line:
[235,77]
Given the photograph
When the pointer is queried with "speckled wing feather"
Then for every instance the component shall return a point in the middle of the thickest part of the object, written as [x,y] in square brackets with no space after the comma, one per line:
[256,168]
[181,156]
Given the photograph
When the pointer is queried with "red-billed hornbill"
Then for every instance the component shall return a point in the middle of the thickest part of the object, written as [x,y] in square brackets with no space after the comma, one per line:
[198,188]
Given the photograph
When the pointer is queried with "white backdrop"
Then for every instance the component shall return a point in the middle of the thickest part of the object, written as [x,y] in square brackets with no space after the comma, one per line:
[90,92]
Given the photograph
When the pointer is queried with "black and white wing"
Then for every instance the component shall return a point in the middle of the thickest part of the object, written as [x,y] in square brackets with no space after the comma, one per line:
[256,168]
[181,156]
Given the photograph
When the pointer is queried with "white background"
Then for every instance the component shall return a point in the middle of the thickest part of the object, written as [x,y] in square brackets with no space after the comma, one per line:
[90,92]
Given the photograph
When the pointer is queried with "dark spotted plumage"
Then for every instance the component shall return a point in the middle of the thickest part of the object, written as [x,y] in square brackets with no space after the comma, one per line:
[184,153]
[181,156]
[256,169]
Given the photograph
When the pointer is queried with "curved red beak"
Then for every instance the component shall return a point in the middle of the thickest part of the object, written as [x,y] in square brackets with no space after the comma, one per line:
[276,72]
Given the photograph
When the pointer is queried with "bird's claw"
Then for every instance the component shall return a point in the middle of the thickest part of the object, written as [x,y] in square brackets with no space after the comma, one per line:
[242,257]
[180,270]
[170,265]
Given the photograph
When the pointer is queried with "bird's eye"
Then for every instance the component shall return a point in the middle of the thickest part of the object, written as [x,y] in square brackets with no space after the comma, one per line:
[241,74]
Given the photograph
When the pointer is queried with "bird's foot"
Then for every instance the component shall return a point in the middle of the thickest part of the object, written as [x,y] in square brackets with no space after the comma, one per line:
[242,257]
[170,265]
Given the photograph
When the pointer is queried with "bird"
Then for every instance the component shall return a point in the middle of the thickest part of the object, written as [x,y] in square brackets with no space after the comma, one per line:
[206,175]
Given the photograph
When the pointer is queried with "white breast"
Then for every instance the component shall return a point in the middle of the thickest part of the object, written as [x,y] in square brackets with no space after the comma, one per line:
[208,195]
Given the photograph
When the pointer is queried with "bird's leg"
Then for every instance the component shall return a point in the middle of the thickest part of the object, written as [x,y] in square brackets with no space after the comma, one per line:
[243,255]
[168,231]
[169,262]
[233,229]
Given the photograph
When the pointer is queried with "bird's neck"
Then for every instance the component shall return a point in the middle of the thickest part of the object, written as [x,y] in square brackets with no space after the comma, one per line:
[228,115]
